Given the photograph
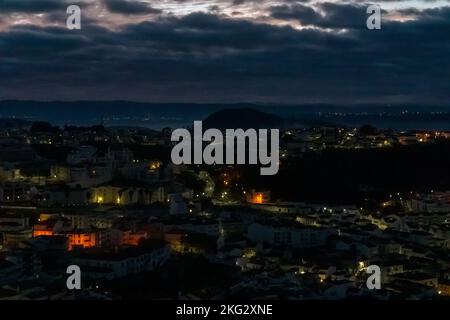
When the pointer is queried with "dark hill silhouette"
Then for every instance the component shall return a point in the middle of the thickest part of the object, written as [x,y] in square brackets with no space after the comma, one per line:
[14,123]
[243,118]
[176,115]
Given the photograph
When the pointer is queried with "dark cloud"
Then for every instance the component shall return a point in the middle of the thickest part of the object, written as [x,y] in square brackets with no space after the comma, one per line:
[29,5]
[130,7]
[324,15]
[35,6]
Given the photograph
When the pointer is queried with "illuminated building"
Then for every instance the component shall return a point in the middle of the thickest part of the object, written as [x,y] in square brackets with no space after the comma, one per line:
[47,216]
[60,173]
[258,197]
[444,287]
[155,165]
[296,236]
[114,265]
[42,229]
[182,242]
[38,233]
[175,238]
[120,195]
[82,240]
[133,238]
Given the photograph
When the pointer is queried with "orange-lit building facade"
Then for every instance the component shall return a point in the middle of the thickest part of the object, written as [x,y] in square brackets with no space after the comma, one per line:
[42,230]
[176,239]
[82,240]
[76,239]
[444,288]
[133,239]
[258,197]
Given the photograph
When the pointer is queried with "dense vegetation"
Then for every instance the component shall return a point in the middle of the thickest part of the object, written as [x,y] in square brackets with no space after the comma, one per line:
[340,175]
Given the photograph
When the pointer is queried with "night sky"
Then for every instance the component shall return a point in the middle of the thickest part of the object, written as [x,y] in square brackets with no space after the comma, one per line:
[223,51]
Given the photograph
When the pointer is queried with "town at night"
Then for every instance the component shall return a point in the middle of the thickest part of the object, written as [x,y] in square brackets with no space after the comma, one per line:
[225,156]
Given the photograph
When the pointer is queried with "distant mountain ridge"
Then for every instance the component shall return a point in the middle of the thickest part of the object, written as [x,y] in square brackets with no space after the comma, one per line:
[176,115]
[113,113]
[101,109]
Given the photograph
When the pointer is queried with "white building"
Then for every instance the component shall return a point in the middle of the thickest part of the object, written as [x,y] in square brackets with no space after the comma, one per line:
[122,264]
[297,236]
[210,228]
[81,155]
[117,195]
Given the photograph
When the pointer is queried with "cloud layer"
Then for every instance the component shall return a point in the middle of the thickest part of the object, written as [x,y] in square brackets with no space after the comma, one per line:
[226,51]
